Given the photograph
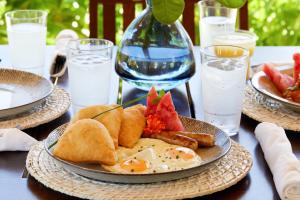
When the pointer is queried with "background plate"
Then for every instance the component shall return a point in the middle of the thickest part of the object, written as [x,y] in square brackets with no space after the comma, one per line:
[94,171]
[53,107]
[20,91]
[263,85]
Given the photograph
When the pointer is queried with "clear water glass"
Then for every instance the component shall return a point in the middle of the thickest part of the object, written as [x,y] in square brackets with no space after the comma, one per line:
[89,67]
[223,80]
[26,31]
[240,38]
[215,19]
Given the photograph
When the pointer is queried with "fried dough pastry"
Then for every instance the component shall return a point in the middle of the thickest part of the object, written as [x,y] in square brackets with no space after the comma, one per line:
[132,125]
[111,120]
[86,141]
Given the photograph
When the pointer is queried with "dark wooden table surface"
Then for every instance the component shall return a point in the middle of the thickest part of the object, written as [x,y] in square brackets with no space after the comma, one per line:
[258,184]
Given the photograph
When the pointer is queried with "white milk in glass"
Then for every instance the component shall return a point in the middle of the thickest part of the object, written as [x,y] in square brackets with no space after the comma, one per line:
[223,85]
[213,25]
[89,77]
[27,43]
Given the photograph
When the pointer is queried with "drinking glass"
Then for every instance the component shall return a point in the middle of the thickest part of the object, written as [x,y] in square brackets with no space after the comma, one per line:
[26,31]
[89,67]
[240,38]
[222,86]
[215,19]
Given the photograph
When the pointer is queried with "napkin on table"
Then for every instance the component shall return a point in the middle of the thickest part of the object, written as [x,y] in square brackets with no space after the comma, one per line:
[283,164]
[12,139]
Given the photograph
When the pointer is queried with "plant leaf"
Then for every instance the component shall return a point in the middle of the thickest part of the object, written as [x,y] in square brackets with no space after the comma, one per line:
[167,11]
[232,3]
[160,95]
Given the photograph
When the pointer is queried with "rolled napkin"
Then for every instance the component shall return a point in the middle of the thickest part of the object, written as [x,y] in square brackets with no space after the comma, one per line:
[12,139]
[62,39]
[283,164]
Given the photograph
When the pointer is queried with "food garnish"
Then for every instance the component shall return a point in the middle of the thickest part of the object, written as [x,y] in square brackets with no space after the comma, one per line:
[161,114]
[122,105]
[154,124]
[293,92]
[163,122]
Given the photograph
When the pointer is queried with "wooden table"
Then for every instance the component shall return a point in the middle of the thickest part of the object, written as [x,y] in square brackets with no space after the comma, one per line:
[258,184]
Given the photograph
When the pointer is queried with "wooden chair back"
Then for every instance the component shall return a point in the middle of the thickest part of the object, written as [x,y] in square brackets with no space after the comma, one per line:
[109,16]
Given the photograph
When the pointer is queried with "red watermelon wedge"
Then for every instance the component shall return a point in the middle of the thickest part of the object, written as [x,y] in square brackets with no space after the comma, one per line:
[168,114]
[151,105]
[281,81]
[296,58]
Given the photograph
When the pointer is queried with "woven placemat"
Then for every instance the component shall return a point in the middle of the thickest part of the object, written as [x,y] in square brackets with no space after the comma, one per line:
[222,174]
[264,109]
[53,107]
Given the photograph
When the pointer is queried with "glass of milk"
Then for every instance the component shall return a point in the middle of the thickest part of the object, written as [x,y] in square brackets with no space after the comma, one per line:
[26,31]
[89,67]
[223,79]
[215,19]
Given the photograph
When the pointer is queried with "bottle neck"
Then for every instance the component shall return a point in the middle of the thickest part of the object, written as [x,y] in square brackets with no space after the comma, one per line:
[149,3]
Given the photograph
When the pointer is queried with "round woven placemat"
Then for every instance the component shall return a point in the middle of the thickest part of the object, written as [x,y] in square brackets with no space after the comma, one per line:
[53,107]
[264,109]
[222,174]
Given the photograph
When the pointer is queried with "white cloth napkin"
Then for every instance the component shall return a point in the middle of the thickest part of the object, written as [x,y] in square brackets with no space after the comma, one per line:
[12,139]
[284,165]
[62,39]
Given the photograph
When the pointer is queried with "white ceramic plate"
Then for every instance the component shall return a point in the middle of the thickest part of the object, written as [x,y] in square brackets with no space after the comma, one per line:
[262,84]
[20,91]
[95,171]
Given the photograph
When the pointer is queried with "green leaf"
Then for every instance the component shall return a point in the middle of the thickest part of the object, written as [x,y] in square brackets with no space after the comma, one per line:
[232,3]
[167,11]
[160,95]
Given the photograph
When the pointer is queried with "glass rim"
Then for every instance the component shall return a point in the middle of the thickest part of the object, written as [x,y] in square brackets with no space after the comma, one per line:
[42,12]
[252,36]
[109,44]
[202,4]
[242,31]
[246,52]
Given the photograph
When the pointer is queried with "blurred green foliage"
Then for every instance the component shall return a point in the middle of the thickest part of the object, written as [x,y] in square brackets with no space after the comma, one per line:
[276,22]
[62,14]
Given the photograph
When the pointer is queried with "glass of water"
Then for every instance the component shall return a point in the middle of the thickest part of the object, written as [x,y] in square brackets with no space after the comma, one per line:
[26,31]
[89,67]
[223,79]
[240,38]
[215,19]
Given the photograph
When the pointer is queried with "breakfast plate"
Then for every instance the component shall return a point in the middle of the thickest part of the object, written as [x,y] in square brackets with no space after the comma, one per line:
[263,85]
[20,91]
[96,172]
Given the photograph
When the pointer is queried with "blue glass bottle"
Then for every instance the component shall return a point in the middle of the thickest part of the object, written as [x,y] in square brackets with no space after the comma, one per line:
[155,54]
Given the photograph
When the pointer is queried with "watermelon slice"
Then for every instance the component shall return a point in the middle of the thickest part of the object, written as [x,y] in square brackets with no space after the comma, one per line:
[296,58]
[167,113]
[151,104]
[281,81]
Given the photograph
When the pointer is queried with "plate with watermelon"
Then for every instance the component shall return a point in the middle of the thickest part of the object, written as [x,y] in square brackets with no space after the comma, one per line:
[162,127]
[280,83]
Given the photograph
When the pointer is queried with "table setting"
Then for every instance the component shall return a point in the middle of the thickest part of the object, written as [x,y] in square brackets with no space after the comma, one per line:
[152,118]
